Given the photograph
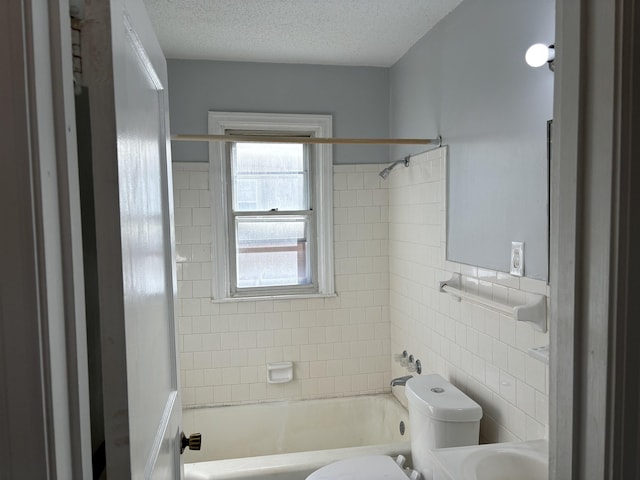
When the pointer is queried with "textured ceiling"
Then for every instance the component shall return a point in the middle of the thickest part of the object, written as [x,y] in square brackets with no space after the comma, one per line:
[330,32]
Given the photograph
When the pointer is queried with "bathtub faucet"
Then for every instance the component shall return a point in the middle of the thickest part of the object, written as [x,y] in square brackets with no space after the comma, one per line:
[400,380]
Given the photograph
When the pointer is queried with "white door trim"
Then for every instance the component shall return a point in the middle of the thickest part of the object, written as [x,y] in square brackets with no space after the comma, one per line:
[43,382]
[594,382]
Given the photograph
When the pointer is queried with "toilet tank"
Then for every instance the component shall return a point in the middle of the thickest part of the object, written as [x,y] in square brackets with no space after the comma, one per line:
[440,416]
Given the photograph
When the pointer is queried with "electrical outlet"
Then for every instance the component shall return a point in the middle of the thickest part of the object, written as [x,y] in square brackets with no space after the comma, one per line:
[516,265]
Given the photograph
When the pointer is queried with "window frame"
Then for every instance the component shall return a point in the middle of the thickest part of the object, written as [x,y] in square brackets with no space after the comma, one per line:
[310,213]
[321,191]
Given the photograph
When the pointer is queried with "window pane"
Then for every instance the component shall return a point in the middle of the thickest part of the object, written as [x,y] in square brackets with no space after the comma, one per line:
[268,176]
[272,252]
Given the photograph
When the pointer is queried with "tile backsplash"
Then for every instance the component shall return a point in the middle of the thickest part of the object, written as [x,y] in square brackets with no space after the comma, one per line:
[390,255]
[339,345]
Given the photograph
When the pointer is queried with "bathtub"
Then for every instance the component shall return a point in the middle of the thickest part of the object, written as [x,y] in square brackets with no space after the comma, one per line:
[289,440]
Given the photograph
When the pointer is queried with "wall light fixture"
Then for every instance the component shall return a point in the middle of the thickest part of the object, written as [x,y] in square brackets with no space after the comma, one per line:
[539,54]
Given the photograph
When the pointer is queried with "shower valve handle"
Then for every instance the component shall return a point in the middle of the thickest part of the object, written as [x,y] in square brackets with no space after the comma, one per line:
[404,358]
[415,366]
[193,442]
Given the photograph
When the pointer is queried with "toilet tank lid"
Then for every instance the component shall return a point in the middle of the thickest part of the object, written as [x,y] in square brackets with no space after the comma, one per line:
[442,400]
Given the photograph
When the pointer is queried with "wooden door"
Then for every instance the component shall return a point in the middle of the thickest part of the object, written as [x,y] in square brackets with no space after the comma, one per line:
[125,72]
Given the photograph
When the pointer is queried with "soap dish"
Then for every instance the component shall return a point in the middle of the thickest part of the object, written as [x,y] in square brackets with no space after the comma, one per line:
[279,372]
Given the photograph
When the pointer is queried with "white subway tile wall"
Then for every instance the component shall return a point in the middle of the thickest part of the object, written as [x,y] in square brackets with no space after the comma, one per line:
[481,352]
[390,255]
[339,345]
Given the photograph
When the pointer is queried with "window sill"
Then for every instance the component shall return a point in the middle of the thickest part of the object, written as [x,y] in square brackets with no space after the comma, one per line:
[273,297]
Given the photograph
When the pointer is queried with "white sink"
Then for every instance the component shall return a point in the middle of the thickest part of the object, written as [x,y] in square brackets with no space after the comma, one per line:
[497,461]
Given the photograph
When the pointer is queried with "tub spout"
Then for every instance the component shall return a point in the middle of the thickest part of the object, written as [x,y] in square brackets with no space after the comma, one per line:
[400,380]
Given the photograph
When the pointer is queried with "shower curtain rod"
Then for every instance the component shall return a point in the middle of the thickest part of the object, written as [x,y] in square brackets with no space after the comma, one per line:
[306,140]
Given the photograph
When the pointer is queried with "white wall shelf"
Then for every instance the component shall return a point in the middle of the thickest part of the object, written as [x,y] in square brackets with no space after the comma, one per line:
[540,353]
[534,312]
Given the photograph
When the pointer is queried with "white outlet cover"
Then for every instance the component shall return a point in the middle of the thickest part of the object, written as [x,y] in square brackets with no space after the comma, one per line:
[516,263]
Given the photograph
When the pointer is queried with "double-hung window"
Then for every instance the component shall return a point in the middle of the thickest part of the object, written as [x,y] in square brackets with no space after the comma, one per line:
[272,209]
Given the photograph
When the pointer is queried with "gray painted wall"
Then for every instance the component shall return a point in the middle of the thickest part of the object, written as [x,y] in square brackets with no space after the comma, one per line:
[467,79]
[357,97]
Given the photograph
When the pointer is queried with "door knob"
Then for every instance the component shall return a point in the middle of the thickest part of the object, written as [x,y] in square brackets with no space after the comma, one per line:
[194,441]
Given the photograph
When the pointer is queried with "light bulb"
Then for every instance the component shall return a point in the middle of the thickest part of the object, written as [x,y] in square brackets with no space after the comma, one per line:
[539,54]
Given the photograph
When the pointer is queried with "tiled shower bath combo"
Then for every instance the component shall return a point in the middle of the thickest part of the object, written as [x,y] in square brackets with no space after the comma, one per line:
[390,255]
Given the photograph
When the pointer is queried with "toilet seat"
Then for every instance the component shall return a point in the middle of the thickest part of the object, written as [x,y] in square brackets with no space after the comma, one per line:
[375,467]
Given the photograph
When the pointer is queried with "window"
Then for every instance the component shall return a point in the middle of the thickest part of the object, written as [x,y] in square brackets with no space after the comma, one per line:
[271,217]
[272,208]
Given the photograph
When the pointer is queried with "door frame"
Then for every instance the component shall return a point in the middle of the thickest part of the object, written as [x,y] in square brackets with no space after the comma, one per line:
[595,308]
[44,403]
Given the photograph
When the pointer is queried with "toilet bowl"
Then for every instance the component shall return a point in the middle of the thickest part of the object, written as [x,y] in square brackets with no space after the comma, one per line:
[440,416]
[375,467]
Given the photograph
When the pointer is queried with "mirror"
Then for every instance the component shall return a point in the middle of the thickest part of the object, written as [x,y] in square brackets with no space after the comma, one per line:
[472,86]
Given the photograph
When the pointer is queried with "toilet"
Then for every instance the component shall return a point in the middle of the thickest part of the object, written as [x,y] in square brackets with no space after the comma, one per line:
[440,416]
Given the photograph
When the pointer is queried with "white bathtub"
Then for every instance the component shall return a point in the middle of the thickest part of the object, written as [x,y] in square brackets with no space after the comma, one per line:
[289,440]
